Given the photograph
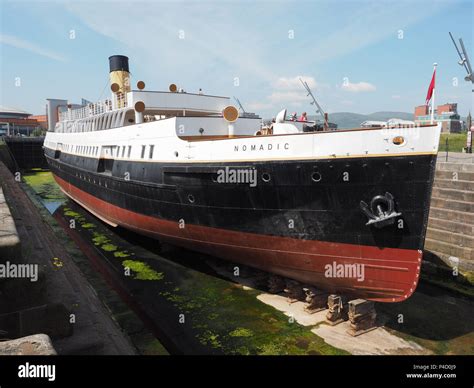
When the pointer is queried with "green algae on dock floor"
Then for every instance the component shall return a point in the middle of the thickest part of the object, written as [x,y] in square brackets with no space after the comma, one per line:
[43,183]
[233,320]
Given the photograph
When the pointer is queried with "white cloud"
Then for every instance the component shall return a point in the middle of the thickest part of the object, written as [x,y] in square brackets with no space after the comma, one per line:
[294,83]
[358,87]
[173,41]
[13,41]
[371,23]
[257,106]
[288,96]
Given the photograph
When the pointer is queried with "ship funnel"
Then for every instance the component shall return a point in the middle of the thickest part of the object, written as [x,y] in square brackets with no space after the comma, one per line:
[119,79]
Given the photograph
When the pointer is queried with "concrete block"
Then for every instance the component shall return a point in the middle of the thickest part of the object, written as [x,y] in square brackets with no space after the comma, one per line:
[33,345]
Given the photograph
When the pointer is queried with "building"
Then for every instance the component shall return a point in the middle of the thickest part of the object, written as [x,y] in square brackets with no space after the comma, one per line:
[391,123]
[447,114]
[15,121]
[42,121]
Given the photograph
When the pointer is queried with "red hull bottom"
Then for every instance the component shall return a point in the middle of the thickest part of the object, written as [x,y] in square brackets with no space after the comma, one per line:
[389,274]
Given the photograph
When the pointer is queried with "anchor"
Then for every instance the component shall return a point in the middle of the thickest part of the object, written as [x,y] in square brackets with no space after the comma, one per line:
[376,214]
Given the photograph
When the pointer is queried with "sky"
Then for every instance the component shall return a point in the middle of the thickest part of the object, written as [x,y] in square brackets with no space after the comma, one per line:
[357,56]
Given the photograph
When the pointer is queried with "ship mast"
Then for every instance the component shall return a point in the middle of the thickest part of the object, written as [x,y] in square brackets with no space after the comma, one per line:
[240,105]
[464,62]
[314,102]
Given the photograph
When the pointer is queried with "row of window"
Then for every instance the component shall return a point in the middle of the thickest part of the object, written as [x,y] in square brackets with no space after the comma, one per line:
[95,123]
[151,148]
[115,151]
[119,151]
[77,149]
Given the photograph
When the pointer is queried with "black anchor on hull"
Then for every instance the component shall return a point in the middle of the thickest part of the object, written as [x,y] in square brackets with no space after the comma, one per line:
[381,211]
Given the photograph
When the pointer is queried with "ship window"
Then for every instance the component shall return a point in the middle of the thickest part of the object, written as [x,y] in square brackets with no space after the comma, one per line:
[123,151]
[143,151]
[109,121]
[129,151]
[114,119]
[152,148]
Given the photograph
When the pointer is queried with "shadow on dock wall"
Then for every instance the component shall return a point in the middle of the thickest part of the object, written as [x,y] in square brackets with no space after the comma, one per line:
[23,153]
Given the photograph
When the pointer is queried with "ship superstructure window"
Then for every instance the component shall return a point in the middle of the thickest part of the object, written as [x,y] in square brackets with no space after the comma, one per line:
[129,151]
[143,151]
[123,151]
[150,154]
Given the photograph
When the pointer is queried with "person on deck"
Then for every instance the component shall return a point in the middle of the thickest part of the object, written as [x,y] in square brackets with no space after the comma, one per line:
[303,117]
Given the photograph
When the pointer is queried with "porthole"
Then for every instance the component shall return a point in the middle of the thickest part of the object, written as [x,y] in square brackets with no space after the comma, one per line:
[176,153]
[266,177]
[316,176]
[399,140]
[191,198]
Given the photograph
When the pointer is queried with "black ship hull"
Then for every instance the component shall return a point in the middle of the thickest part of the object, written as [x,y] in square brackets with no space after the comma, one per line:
[300,217]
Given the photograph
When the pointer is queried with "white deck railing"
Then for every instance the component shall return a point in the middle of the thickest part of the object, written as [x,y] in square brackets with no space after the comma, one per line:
[93,109]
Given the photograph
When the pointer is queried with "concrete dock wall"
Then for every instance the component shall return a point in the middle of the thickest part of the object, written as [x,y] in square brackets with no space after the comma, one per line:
[27,151]
[10,248]
[450,234]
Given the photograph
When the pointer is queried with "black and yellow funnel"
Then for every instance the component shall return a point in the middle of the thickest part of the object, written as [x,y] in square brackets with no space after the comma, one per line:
[119,77]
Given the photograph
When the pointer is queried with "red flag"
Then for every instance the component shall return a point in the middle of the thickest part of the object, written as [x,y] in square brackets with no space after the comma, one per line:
[431,88]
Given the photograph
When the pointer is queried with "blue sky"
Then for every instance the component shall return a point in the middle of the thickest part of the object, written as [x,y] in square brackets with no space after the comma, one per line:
[357,56]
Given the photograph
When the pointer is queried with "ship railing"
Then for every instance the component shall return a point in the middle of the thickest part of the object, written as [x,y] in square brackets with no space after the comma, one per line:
[88,110]
[120,100]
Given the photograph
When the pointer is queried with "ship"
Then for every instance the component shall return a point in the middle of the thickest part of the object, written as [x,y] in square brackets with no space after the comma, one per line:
[344,211]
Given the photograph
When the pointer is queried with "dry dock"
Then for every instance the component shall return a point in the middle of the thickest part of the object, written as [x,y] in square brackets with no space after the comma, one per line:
[190,303]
